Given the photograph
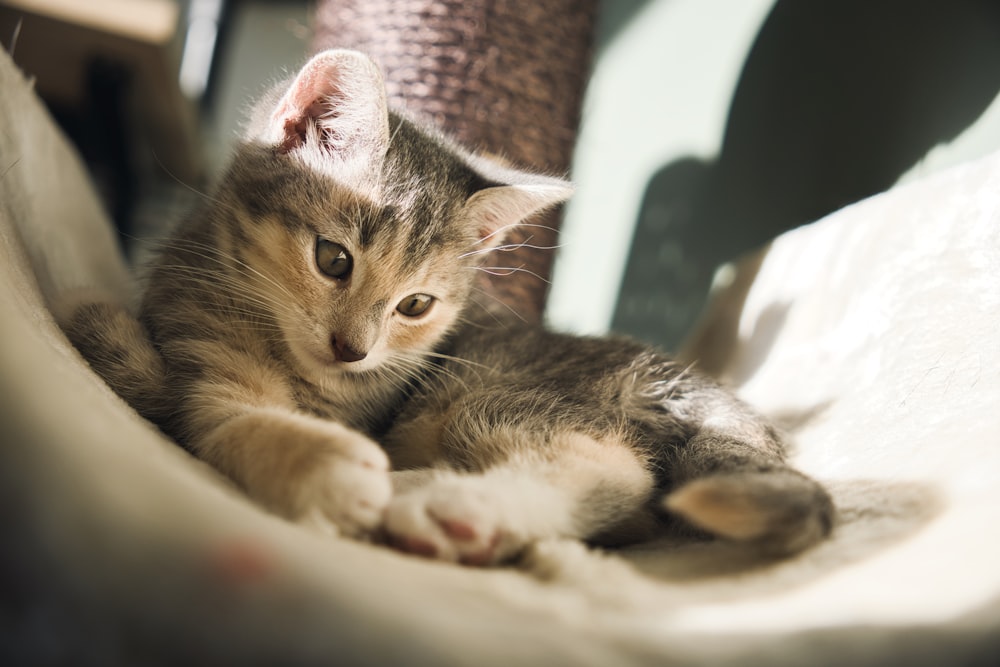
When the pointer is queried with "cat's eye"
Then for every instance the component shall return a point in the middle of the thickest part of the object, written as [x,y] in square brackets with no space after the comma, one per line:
[333,259]
[415,305]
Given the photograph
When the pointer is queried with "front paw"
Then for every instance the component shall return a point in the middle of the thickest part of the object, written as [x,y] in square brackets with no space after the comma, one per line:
[452,518]
[350,489]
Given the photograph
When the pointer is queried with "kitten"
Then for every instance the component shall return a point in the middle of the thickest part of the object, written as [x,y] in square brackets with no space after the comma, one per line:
[284,320]
[301,314]
[527,434]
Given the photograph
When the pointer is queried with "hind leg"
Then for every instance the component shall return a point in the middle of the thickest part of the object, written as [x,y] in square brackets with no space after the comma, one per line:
[732,481]
[574,486]
[117,348]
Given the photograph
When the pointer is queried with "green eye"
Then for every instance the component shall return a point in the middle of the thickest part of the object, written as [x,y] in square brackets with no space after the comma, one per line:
[333,259]
[415,305]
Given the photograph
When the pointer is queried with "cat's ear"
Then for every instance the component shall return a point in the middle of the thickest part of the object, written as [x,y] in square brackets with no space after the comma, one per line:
[337,104]
[498,208]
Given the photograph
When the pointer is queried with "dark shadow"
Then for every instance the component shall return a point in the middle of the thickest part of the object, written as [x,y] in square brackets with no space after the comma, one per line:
[837,99]
[613,17]
[667,264]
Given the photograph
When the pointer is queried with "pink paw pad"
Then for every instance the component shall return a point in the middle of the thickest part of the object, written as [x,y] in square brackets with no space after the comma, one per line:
[459,530]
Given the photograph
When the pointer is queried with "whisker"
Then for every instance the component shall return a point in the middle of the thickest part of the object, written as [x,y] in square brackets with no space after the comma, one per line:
[213,254]
[509,247]
[426,373]
[504,229]
[190,188]
[496,300]
[459,360]
[504,271]
[210,283]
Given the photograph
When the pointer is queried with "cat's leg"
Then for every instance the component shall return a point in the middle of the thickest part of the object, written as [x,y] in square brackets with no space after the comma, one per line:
[117,348]
[319,473]
[239,416]
[573,486]
[731,480]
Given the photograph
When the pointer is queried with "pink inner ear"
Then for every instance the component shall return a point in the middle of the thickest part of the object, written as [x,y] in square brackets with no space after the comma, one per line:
[309,99]
[295,133]
[296,122]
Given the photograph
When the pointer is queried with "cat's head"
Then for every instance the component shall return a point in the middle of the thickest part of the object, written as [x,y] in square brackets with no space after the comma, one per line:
[364,231]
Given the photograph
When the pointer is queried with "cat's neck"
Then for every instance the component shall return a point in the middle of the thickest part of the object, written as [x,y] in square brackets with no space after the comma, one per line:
[365,401]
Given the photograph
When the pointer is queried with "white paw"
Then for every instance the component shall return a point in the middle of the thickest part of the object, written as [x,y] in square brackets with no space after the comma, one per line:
[453,518]
[351,488]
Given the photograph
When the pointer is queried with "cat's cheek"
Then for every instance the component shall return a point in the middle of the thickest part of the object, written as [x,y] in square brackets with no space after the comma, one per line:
[421,335]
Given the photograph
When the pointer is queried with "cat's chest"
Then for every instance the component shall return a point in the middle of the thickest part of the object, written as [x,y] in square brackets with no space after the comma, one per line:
[363,406]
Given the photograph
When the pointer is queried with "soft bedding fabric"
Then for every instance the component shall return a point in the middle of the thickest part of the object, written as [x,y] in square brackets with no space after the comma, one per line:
[871,336]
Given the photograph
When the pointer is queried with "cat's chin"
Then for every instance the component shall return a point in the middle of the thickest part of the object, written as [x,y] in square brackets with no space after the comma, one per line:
[319,367]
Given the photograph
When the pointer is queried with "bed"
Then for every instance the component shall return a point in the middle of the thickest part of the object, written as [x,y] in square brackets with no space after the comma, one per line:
[870,336]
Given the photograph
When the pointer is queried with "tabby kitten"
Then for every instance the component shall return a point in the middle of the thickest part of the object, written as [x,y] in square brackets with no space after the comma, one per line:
[294,318]
[284,320]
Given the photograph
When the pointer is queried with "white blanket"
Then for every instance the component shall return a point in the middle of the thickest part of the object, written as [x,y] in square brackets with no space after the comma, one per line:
[871,335]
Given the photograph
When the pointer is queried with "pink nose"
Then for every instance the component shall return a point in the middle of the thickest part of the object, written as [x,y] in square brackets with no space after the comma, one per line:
[345,352]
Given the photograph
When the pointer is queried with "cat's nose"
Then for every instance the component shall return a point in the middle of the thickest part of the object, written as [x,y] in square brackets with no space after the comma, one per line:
[345,352]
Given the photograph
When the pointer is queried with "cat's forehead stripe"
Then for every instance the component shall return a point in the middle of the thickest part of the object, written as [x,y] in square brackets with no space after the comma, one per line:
[371,221]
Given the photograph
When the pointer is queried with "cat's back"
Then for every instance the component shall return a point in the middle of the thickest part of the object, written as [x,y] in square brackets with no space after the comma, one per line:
[529,372]
[534,353]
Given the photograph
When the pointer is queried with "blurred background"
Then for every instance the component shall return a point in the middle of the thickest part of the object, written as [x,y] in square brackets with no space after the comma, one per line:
[708,127]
